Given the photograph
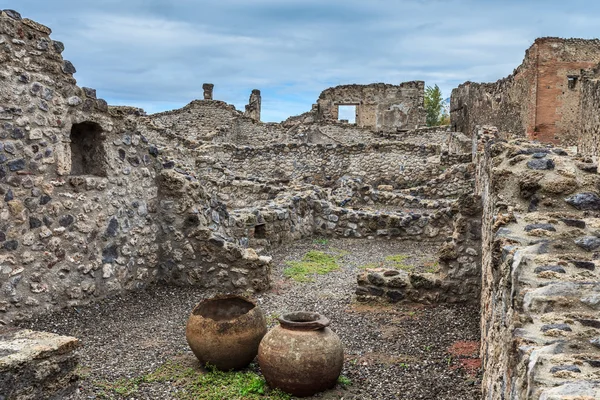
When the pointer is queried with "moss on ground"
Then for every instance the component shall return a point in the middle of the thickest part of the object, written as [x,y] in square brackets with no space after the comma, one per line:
[193,384]
[397,261]
[313,263]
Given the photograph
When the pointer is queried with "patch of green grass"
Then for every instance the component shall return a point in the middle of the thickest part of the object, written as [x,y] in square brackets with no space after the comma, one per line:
[397,261]
[313,263]
[344,381]
[123,387]
[195,385]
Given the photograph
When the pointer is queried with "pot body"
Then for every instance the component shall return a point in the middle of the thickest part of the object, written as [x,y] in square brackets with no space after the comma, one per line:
[301,362]
[228,340]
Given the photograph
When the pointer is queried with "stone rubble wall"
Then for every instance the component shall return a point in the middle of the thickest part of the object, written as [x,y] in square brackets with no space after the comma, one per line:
[309,213]
[68,239]
[540,283]
[452,182]
[589,132]
[353,193]
[459,275]
[215,121]
[506,103]
[421,136]
[194,246]
[398,164]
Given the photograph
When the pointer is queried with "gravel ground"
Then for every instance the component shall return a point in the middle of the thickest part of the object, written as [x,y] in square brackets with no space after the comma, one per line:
[392,351]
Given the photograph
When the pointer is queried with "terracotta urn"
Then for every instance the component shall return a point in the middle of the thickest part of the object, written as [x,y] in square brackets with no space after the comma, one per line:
[225,331]
[301,356]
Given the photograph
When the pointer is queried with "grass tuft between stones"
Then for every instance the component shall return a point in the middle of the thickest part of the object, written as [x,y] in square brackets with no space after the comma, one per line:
[193,384]
[313,263]
[397,261]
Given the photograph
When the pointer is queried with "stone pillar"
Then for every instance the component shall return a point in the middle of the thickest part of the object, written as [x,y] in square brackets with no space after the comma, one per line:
[208,91]
[253,106]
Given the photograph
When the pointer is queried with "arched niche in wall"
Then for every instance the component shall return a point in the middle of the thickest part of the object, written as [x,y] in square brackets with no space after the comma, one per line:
[88,156]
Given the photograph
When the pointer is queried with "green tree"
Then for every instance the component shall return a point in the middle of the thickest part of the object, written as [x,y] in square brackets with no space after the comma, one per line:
[433,105]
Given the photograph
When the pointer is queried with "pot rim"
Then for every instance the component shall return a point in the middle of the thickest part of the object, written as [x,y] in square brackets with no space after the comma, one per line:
[303,320]
[226,297]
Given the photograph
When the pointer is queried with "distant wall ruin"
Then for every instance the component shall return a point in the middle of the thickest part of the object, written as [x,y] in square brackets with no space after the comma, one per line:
[379,106]
[540,100]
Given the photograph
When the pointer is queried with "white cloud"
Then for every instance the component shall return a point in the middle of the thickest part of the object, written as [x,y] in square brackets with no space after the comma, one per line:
[157,53]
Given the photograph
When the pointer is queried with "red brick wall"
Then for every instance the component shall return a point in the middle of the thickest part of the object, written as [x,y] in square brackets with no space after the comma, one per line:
[534,101]
[557,106]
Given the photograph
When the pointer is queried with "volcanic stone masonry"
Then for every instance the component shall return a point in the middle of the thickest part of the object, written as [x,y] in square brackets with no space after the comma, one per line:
[97,200]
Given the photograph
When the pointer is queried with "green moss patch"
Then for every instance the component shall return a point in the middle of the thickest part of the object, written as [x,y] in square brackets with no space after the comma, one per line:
[397,261]
[313,263]
[193,384]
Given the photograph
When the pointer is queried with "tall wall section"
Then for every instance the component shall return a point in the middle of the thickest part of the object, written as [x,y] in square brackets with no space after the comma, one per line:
[540,100]
[508,103]
[540,280]
[589,125]
[86,204]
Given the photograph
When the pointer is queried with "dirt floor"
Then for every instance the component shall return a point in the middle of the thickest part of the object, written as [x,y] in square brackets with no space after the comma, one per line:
[401,351]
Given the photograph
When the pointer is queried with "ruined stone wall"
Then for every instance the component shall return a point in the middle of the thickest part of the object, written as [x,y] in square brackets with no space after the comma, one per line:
[540,285]
[458,278]
[452,182]
[63,236]
[397,164]
[589,126]
[324,133]
[306,213]
[557,116]
[83,186]
[539,100]
[508,103]
[213,121]
[380,107]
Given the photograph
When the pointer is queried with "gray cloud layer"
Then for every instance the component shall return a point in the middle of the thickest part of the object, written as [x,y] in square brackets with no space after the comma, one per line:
[156,54]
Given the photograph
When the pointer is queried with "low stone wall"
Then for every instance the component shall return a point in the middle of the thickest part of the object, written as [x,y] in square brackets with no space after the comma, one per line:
[459,277]
[397,164]
[421,136]
[352,193]
[540,303]
[36,365]
[454,181]
[309,213]
[195,246]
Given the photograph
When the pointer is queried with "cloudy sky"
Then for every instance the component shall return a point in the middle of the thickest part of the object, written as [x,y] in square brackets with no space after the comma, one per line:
[156,54]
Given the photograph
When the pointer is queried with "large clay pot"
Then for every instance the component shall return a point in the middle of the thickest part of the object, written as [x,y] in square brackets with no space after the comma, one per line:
[225,331]
[301,356]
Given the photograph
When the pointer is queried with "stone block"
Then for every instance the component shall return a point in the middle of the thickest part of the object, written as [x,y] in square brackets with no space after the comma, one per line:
[36,365]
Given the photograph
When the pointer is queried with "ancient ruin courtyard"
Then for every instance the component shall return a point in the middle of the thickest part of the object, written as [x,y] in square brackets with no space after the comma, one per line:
[447,259]
[393,351]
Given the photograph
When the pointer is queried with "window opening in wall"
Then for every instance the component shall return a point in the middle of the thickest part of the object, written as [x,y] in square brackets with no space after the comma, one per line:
[347,113]
[88,156]
[572,81]
[260,231]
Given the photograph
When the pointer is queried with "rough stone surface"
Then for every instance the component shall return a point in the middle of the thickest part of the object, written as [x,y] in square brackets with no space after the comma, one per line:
[36,365]
[539,296]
